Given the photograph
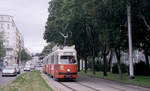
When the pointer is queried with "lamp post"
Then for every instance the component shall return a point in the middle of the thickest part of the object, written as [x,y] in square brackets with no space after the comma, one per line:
[131,70]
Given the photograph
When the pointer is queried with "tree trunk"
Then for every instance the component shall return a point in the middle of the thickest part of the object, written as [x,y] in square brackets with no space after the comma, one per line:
[105,61]
[118,56]
[110,60]
[146,58]
[78,64]
[82,65]
[93,65]
[119,69]
[85,70]
[105,64]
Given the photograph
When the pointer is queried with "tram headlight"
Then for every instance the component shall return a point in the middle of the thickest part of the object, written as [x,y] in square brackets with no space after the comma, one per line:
[68,70]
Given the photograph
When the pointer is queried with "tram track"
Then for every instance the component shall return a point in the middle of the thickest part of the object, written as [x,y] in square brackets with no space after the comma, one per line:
[83,84]
[100,90]
[93,89]
[67,86]
[78,83]
[88,86]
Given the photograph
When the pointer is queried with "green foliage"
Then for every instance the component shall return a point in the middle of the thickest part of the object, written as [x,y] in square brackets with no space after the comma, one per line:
[98,65]
[25,56]
[2,49]
[124,68]
[47,49]
[28,81]
[97,26]
[141,69]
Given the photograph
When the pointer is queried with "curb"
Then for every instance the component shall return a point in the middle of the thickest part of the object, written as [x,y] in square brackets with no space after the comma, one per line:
[56,86]
[49,84]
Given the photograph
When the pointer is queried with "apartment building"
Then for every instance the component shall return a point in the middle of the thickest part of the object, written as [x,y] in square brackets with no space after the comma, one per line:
[13,40]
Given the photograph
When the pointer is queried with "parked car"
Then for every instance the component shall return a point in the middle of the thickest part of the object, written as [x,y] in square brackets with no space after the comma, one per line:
[9,71]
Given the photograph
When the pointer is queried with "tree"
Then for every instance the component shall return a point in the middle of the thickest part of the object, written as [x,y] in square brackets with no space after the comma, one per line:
[25,56]
[47,49]
[98,27]
[141,31]
[2,49]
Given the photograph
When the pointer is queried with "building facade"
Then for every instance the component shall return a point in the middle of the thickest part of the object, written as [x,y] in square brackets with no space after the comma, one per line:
[13,40]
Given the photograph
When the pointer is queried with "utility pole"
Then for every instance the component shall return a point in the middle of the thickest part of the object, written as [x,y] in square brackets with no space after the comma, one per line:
[130,39]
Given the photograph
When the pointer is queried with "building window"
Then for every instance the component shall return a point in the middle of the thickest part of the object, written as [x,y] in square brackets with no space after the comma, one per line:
[8,26]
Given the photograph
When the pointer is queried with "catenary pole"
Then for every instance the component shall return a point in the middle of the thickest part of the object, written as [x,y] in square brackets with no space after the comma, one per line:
[131,70]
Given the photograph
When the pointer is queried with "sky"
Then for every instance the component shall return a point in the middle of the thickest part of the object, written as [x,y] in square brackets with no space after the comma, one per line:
[30,17]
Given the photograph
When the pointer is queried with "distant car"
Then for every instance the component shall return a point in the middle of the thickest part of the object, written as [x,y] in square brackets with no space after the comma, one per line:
[27,68]
[32,67]
[9,71]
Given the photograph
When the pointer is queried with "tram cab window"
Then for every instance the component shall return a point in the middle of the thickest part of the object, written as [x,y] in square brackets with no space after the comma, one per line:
[67,60]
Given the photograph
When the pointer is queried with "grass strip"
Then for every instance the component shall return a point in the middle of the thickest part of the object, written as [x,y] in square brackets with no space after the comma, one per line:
[139,80]
[29,81]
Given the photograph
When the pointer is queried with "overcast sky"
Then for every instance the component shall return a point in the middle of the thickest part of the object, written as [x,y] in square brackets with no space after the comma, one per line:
[30,17]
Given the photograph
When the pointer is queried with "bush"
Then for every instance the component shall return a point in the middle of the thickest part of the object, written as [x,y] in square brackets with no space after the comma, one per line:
[141,69]
[124,68]
[98,65]
[89,64]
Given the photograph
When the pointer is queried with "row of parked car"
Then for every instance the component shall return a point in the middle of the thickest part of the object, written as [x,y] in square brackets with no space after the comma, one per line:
[11,70]
[15,69]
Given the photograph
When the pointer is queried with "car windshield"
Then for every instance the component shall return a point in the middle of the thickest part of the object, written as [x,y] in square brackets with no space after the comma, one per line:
[27,66]
[67,60]
[9,68]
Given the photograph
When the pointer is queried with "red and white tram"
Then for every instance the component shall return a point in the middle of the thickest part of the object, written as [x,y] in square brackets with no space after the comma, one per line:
[61,63]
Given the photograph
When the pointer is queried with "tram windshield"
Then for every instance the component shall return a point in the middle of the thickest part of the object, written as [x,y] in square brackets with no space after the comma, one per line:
[67,60]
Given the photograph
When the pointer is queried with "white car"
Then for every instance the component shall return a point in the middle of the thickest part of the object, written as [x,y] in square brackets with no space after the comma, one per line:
[9,71]
[27,68]
[32,67]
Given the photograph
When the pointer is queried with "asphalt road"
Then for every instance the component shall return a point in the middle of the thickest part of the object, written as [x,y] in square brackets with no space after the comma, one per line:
[86,83]
[4,80]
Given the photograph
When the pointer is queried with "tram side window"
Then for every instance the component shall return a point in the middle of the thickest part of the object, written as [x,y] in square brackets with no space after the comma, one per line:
[56,59]
[52,59]
[67,60]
